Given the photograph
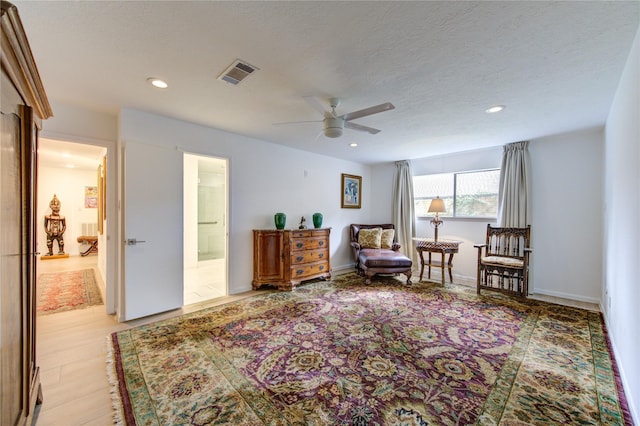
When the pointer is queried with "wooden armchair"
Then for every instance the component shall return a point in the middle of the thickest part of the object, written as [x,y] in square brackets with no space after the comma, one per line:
[381,258]
[503,260]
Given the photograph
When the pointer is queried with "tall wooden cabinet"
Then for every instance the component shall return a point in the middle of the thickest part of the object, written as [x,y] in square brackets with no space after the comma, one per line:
[24,105]
[285,258]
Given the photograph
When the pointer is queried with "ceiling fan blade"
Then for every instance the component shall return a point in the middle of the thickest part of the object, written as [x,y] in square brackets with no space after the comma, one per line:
[295,122]
[360,127]
[368,111]
[315,104]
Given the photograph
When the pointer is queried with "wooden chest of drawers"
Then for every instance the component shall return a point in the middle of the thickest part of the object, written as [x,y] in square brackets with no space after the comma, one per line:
[284,258]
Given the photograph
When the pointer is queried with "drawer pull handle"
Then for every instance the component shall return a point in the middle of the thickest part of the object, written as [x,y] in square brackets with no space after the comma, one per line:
[321,267]
[321,255]
[299,271]
[299,245]
[320,243]
[299,258]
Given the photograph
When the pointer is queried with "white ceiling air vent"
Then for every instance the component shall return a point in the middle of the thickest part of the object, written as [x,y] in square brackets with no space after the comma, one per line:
[237,72]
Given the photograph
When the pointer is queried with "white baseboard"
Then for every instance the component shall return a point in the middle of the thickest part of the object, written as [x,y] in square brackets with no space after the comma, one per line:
[569,296]
[343,269]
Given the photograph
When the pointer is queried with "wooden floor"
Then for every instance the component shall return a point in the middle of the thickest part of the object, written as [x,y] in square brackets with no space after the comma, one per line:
[71,353]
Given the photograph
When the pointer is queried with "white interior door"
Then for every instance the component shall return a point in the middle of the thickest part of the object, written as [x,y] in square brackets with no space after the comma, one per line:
[153,229]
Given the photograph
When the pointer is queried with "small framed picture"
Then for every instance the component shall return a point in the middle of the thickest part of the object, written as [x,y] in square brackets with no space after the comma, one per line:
[351,191]
[90,197]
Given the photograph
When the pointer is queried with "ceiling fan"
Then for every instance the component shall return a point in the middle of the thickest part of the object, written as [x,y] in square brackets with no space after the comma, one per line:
[334,124]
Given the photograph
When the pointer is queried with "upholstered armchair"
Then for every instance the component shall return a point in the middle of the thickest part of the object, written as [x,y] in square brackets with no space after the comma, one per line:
[375,251]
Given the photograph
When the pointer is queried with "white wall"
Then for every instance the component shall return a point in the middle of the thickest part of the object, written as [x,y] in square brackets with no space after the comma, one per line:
[621,295]
[566,226]
[76,124]
[264,179]
[69,186]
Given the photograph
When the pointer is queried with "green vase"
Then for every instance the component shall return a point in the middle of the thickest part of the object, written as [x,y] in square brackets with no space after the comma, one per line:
[280,220]
[317,220]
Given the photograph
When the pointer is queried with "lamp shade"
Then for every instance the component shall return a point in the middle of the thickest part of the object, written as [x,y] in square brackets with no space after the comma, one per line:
[436,206]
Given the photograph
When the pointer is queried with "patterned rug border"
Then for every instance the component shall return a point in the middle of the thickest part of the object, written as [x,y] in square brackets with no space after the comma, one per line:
[599,333]
[120,401]
[622,398]
[603,354]
[91,292]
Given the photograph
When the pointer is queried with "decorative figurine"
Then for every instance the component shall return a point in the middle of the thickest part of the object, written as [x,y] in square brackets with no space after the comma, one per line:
[55,225]
[302,225]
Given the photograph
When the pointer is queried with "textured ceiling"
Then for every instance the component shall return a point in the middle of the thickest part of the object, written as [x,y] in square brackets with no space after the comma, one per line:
[555,65]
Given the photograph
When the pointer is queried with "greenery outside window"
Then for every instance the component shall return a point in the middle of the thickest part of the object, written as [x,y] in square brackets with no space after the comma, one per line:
[465,194]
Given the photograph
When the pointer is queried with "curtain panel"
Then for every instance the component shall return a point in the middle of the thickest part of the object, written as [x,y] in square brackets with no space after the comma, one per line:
[403,209]
[514,201]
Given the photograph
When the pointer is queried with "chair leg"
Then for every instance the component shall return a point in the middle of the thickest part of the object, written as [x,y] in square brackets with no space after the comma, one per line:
[408,274]
[368,276]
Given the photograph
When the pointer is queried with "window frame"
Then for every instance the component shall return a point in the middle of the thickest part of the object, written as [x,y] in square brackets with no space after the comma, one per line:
[454,216]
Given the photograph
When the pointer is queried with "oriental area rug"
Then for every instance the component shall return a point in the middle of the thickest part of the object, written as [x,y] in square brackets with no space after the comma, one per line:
[65,291]
[342,353]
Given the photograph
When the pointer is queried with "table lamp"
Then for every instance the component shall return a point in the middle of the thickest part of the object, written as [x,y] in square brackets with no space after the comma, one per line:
[436,206]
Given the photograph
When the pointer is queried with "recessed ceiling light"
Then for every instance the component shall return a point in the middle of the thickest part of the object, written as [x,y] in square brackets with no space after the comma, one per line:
[156,82]
[495,108]
[353,144]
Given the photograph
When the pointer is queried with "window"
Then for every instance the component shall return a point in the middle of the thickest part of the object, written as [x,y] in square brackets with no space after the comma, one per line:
[465,194]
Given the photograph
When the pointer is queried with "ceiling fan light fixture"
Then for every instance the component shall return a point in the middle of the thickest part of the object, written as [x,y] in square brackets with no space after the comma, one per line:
[333,133]
[333,127]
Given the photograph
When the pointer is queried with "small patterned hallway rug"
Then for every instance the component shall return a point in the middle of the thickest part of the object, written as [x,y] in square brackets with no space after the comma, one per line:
[65,291]
[342,353]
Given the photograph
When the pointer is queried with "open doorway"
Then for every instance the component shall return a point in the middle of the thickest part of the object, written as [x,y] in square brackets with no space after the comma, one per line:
[69,172]
[205,228]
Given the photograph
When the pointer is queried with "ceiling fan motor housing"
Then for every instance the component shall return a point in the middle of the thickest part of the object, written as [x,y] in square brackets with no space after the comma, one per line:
[333,127]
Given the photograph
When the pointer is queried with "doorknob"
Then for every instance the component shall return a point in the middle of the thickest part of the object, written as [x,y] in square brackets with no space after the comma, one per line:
[133,241]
